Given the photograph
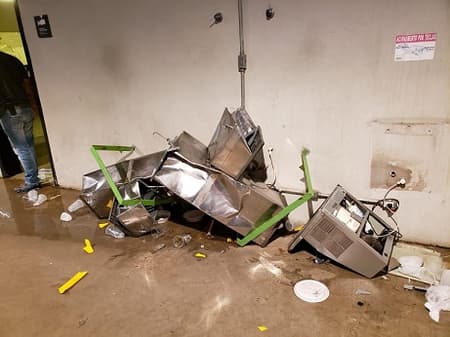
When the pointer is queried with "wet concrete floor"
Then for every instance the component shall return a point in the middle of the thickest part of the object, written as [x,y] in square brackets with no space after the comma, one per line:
[130,291]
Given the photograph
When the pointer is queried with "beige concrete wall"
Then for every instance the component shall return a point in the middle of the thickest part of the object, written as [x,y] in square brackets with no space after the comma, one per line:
[321,75]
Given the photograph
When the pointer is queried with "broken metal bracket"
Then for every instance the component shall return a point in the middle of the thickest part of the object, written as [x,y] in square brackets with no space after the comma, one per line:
[120,200]
[307,196]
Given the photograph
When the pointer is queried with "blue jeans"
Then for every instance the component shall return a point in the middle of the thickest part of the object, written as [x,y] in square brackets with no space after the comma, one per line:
[19,129]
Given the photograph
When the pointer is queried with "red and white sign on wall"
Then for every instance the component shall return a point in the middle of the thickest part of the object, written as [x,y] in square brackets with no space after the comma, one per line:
[415,47]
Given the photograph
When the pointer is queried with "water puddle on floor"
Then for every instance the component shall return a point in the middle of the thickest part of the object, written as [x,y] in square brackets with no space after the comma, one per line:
[18,216]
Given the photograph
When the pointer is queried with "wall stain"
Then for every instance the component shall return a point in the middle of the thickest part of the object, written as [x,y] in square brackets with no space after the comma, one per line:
[385,172]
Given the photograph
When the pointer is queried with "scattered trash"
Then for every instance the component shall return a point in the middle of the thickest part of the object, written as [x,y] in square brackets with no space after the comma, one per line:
[88,246]
[311,291]
[438,298]
[72,281]
[160,216]
[299,228]
[82,322]
[179,241]
[32,195]
[417,263]
[65,217]
[134,220]
[102,225]
[114,231]
[360,303]
[202,246]
[409,286]
[384,277]
[158,248]
[75,206]
[45,175]
[320,260]
[5,214]
[193,215]
[40,200]
[156,233]
[109,204]
[229,240]
[200,255]
[53,197]
[262,328]
[411,265]
[362,292]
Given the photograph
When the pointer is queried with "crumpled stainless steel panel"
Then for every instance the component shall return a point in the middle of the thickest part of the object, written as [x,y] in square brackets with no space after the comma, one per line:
[229,150]
[191,149]
[222,197]
[234,204]
[145,166]
[244,122]
[181,178]
[185,169]
[96,192]
[136,220]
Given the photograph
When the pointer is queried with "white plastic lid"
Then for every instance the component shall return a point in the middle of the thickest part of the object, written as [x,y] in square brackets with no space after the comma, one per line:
[311,291]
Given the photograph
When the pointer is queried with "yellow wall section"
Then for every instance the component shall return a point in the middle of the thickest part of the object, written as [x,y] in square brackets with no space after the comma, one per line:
[10,40]
[11,43]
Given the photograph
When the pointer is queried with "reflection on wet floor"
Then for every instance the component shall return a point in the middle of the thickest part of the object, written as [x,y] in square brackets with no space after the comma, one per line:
[43,220]
[18,216]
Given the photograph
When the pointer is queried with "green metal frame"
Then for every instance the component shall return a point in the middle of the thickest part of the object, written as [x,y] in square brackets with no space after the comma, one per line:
[112,185]
[309,194]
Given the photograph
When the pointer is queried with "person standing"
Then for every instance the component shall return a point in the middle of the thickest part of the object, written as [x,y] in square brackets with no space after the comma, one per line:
[16,116]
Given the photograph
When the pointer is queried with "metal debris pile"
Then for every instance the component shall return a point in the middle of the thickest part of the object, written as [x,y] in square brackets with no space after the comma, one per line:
[224,180]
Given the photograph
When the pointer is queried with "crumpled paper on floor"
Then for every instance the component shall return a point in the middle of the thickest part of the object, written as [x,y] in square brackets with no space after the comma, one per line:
[438,298]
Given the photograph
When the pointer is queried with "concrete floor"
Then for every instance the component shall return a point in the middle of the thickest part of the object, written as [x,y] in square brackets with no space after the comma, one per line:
[131,292]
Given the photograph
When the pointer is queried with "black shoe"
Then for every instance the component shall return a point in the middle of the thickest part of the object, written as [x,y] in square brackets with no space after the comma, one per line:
[26,188]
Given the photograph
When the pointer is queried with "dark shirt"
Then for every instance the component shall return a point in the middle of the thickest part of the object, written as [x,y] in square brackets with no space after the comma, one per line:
[12,77]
